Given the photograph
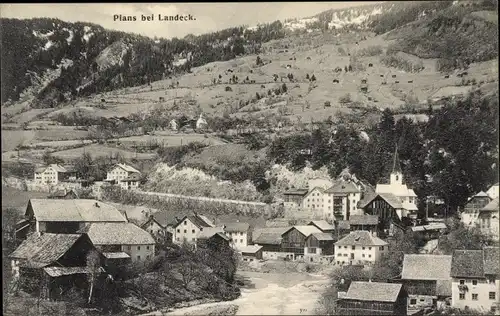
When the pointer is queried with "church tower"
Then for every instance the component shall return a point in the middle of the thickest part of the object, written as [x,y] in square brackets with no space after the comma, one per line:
[396,173]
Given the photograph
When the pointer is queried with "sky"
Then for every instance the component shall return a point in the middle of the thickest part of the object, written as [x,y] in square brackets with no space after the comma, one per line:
[209,16]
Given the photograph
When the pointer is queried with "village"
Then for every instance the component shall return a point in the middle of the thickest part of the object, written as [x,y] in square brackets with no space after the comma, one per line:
[341,225]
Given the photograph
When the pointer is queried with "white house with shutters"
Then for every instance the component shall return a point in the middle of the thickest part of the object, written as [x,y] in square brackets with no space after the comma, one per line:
[127,177]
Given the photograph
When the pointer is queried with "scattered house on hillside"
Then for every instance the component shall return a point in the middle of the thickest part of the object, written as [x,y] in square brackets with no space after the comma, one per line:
[156,229]
[188,228]
[293,198]
[294,240]
[493,191]
[476,279]
[52,175]
[251,253]
[427,280]
[64,194]
[270,240]
[239,233]
[323,225]
[120,239]
[69,216]
[396,189]
[319,244]
[213,238]
[173,125]
[373,298]
[127,177]
[360,247]
[364,222]
[60,260]
[341,200]
[470,210]
[488,219]
[201,123]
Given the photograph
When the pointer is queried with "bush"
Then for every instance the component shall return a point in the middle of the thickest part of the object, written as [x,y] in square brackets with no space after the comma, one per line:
[371,51]
[174,155]
[345,99]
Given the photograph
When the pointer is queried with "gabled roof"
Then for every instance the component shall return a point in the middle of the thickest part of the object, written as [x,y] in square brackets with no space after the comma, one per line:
[431,226]
[250,249]
[74,210]
[56,167]
[320,189]
[43,250]
[426,267]
[115,255]
[396,165]
[373,291]
[300,192]
[322,225]
[343,225]
[236,227]
[322,236]
[209,232]
[481,194]
[361,238]
[467,263]
[63,193]
[344,187]
[390,198]
[491,207]
[60,271]
[305,230]
[127,168]
[199,221]
[268,238]
[363,220]
[117,234]
[146,224]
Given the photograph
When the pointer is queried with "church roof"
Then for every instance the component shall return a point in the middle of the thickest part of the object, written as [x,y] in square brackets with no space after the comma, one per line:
[396,165]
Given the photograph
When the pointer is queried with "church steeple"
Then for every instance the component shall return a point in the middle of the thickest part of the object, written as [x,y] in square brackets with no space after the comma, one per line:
[396,173]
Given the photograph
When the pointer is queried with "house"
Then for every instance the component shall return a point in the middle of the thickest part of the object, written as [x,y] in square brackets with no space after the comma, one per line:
[64,194]
[239,233]
[360,247]
[476,279]
[251,253]
[405,195]
[270,239]
[429,231]
[364,222]
[470,210]
[427,280]
[68,216]
[373,298]
[294,240]
[488,219]
[386,206]
[50,175]
[213,238]
[188,228]
[341,200]
[125,176]
[319,244]
[156,229]
[119,240]
[323,225]
[61,259]
[293,198]
[314,199]
[493,191]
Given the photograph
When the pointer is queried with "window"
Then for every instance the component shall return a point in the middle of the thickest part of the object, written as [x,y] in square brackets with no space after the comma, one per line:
[339,255]
[381,247]
[413,301]
[129,248]
[363,248]
[147,257]
[345,255]
[185,222]
[185,231]
[241,240]
[461,296]
[353,247]
[241,234]
[201,229]
[369,256]
[475,297]
[462,282]
[493,309]
[147,247]
[363,255]
[177,239]
[422,300]
[192,231]
[178,230]
[492,296]
[474,282]
[138,247]
[138,257]
[369,248]
[345,247]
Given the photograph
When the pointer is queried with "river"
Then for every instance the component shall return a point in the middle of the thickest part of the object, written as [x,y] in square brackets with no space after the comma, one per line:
[269,294]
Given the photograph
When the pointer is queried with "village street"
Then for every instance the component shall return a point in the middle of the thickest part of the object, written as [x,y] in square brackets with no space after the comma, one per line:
[269,294]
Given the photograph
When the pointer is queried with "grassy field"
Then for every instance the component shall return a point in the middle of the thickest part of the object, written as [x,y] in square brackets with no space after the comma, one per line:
[14,198]
[97,150]
[171,139]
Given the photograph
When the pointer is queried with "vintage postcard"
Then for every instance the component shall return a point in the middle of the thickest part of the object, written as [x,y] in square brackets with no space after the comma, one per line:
[270,158]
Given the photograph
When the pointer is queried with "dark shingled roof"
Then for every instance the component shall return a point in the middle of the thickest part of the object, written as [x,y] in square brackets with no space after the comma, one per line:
[343,187]
[360,238]
[322,236]
[467,263]
[196,220]
[300,192]
[268,239]
[390,198]
[363,220]
[437,267]
[373,291]
[236,227]
[41,251]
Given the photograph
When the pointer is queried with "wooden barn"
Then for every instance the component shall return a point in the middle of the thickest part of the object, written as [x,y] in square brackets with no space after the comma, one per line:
[320,244]
[364,222]
[251,253]
[385,206]
[294,239]
[213,238]
[373,298]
